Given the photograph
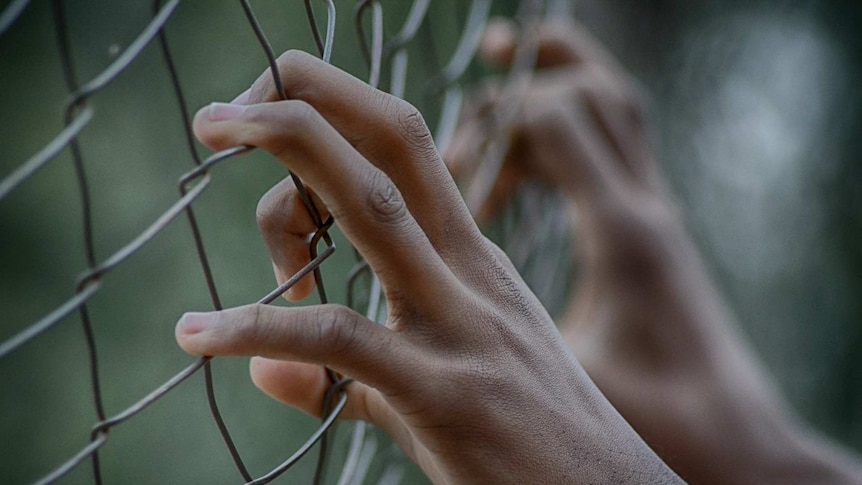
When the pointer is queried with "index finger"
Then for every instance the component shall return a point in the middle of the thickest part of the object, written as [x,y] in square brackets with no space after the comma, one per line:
[363,200]
[387,131]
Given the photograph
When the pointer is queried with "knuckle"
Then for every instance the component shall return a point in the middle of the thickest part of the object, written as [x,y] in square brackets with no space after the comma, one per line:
[289,64]
[412,128]
[301,114]
[294,66]
[644,246]
[385,201]
[292,61]
[548,117]
[293,58]
[337,329]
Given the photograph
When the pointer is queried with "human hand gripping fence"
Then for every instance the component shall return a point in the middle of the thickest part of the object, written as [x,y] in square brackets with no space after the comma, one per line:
[460,321]
[418,228]
[79,114]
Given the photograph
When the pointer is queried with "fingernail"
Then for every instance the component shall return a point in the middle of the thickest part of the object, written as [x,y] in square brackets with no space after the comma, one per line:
[193,323]
[224,111]
[242,98]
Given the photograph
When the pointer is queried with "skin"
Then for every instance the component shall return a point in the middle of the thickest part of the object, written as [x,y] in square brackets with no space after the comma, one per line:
[644,320]
[469,375]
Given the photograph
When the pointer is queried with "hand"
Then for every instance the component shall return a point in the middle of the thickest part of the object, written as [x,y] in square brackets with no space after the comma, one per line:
[580,128]
[469,375]
[644,320]
[580,124]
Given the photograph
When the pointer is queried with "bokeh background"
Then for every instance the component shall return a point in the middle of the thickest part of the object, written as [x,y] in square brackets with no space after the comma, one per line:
[757,117]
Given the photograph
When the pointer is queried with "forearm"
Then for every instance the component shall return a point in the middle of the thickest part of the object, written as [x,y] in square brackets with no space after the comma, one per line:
[764,447]
[671,360]
[811,458]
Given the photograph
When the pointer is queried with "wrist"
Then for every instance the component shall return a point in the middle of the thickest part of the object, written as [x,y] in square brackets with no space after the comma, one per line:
[814,459]
[579,440]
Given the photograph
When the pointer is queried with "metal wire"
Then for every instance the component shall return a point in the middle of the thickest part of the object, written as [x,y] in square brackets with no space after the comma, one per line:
[381,54]
[11,13]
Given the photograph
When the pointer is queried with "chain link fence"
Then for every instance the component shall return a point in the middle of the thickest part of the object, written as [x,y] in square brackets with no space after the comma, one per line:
[390,56]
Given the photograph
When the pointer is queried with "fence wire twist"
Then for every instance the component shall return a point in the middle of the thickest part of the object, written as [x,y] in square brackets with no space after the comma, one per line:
[378,51]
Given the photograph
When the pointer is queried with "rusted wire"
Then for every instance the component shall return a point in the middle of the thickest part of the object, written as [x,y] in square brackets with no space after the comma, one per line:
[381,54]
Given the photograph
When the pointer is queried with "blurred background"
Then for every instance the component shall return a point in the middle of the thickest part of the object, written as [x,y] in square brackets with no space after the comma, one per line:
[757,116]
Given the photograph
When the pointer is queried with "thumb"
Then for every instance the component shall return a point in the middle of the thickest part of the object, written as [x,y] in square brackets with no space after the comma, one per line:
[330,335]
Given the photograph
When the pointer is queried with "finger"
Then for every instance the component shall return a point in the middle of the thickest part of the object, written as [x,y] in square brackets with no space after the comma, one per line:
[465,156]
[388,132]
[365,203]
[483,99]
[561,42]
[621,123]
[509,180]
[471,141]
[329,335]
[555,130]
[287,228]
[462,154]
[464,151]
[558,136]
[304,387]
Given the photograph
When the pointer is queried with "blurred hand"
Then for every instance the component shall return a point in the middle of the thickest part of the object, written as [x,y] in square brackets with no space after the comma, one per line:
[579,126]
[469,375]
[644,320]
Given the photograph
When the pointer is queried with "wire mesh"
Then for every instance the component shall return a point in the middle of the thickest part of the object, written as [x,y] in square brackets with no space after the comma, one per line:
[381,53]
